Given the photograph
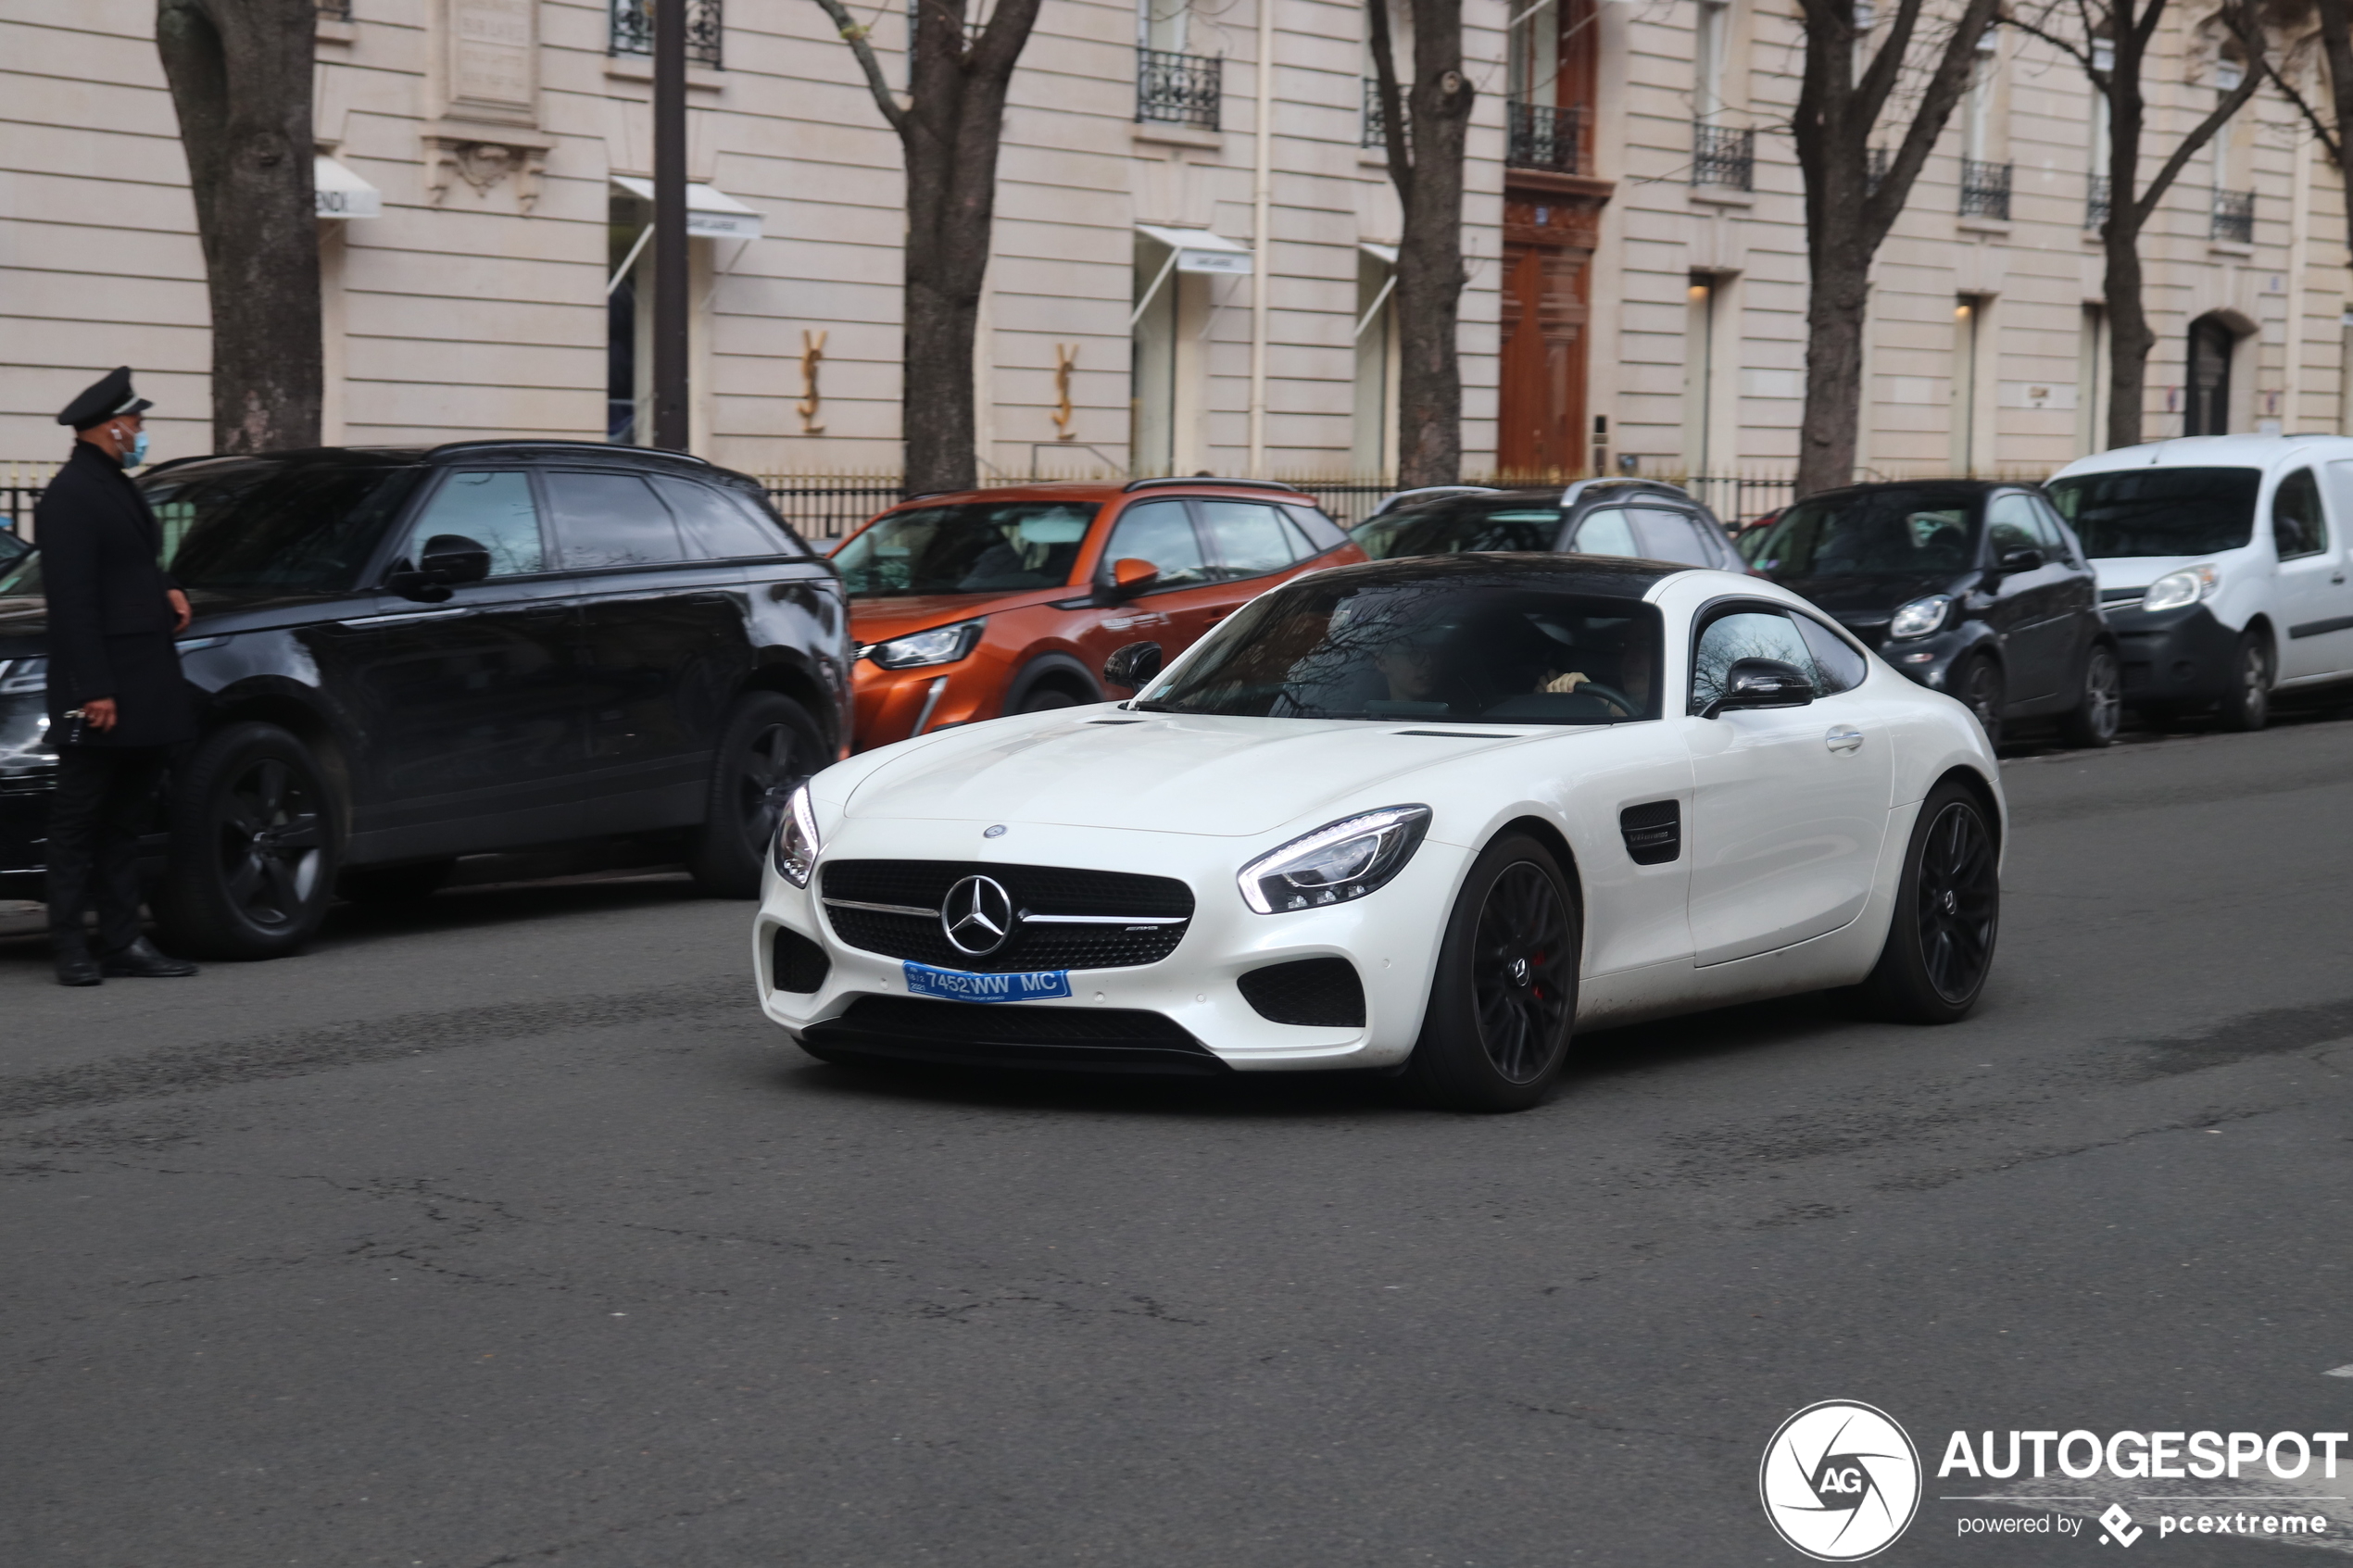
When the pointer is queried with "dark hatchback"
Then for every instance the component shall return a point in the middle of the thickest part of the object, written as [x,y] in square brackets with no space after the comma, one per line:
[1594,517]
[404,656]
[1972,587]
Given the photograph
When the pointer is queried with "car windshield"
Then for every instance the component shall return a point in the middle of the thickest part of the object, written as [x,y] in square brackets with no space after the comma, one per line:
[1466,522]
[2160,512]
[244,527]
[970,547]
[1900,532]
[1450,650]
[20,576]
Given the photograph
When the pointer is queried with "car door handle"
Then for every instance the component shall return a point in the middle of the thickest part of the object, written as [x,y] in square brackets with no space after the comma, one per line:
[1843,737]
[2338,578]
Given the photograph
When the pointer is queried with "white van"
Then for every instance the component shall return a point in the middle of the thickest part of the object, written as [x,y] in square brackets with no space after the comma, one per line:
[2222,566]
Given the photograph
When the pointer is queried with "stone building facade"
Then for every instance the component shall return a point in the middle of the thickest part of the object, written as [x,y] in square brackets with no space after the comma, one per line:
[1633,229]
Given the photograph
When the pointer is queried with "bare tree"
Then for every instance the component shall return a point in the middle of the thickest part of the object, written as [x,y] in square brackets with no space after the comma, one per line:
[1424,129]
[1847,212]
[948,133]
[2335,38]
[2120,33]
[240,75]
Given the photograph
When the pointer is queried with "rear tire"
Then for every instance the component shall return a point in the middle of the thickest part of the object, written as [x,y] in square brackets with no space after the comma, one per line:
[254,843]
[1503,1004]
[1978,682]
[395,884]
[2093,722]
[2247,705]
[768,747]
[1948,905]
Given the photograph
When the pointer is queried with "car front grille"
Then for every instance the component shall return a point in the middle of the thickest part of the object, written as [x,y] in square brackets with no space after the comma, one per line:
[1069,918]
[1009,1035]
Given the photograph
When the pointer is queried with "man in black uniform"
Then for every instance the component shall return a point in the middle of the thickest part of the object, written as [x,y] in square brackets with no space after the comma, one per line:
[117,702]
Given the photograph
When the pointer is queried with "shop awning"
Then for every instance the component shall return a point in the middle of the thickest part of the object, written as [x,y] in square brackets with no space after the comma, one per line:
[1385,255]
[342,193]
[711,213]
[1201,250]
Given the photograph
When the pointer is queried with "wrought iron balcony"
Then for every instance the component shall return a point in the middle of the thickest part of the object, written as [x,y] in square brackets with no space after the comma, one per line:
[2234,216]
[335,10]
[1985,190]
[2095,202]
[633,30]
[1179,89]
[1539,136]
[1375,132]
[1722,156]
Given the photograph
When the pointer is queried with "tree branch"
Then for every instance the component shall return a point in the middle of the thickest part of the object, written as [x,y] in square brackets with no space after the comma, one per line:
[2311,116]
[854,34]
[1392,102]
[1943,89]
[2249,80]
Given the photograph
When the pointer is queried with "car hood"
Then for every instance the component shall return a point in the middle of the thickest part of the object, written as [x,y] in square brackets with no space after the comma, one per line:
[1869,599]
[1158,773]
[882,617]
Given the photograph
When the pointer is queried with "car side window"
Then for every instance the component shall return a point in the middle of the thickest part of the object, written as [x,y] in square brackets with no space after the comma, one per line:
[495,509]
[1606,532]
[2298,527]
[716,528]
[1322,533]
[1251,539]
[2011,525]
[1744,634]
[611,520]
[1837,666]
[1672,535]
[1160,533]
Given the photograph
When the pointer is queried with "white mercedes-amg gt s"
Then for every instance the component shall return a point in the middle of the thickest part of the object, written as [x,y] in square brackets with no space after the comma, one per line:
[1428,815]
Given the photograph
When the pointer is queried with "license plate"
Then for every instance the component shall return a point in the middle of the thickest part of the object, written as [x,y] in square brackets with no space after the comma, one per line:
[956,985]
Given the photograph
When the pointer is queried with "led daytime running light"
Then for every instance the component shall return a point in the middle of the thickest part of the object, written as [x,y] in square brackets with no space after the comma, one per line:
[797,840]
[1286,879]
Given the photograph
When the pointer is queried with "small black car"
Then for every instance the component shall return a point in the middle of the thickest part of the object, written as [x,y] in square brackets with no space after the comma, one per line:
[404,656]
[1972,587]
[1594,517]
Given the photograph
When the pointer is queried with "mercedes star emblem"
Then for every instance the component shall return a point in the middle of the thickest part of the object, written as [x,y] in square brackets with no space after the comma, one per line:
[977,916]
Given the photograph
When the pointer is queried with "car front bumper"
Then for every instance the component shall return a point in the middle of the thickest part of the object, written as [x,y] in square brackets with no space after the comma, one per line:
[2173,656]
[1390,936]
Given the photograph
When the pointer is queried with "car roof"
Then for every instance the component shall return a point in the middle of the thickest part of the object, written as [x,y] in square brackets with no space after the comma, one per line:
[2216,451]
[1962,486]
[637,458]
[1608,576]
[1101,490]
[1563,496]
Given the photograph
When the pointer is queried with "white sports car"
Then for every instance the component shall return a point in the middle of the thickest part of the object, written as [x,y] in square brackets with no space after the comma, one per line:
[1428,815]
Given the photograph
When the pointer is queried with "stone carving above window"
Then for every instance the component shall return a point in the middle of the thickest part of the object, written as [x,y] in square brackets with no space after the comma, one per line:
[484,157]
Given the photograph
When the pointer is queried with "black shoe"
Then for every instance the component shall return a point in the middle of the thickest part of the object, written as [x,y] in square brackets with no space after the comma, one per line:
[76,967]
[140,961]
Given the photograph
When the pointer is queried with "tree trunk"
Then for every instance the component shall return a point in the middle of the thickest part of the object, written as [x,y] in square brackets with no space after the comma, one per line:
[2336,47]
[2129,337]
[1431,276]
[240,72]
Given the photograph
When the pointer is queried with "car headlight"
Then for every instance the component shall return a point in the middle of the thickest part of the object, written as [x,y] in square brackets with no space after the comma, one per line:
[1343,861]
[1920,617]
[797,841]
[2186,586]
[941,644]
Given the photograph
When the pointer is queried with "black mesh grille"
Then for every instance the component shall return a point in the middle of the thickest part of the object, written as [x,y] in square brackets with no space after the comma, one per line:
[1321,991]
[1036,890]
[1653,833]
[1008,1035]
[797,963]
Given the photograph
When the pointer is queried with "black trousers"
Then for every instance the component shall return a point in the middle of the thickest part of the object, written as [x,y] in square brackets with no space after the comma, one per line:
[94,818]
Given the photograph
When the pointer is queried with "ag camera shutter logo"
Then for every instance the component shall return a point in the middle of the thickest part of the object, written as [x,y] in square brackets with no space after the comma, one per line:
[1841,1481]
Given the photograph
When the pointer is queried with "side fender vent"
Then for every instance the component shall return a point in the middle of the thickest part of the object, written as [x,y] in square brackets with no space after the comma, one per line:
[1653,833]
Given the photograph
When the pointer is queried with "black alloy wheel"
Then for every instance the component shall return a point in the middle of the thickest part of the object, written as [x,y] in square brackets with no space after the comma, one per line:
[1940,937]
[2096,717]
[254,848]
[1978,685]
[2247,705]
[1503,1002]
[768,750]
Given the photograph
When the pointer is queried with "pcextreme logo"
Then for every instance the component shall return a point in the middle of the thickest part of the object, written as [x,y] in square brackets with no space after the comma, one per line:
[1841,1481]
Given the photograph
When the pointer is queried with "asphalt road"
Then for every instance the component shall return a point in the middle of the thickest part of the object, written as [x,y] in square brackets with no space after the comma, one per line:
[505,1232]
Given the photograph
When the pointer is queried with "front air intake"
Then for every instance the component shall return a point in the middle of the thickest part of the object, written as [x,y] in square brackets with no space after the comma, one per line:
[795,963]
[1319,993]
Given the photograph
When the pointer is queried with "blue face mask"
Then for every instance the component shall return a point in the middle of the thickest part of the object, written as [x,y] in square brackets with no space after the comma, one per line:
[138,453]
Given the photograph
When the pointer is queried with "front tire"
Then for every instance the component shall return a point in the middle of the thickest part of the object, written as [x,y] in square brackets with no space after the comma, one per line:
[2247,705]
[254,848]
[1503,1004]
[1978,682]
[1940,939]
[767,749]
[2101,709]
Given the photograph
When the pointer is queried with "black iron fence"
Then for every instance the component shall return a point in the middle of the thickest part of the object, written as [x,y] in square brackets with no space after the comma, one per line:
[1179,89]
[1540,136]
[1722,155]
[2234,216]
[823,507]
[633,30]
[1985,190]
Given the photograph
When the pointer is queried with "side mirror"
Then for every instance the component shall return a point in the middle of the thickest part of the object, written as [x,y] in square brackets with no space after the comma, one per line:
[2020,561]
[1133,667]
[1762,682]
[1130,575]
[446,558]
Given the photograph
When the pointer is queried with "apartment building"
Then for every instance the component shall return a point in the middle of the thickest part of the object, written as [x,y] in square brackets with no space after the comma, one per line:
[1191,264]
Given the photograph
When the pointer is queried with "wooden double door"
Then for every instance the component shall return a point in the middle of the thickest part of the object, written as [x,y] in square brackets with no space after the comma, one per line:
[1549,237]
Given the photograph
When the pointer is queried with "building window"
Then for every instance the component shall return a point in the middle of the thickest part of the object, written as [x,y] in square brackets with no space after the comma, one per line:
[335,10]
[1178,89]
[2091,376]
[1973,424]
[2095,202]
[2234,216]
[1985,190]
[2211,344]
[633,30]
[1710,47]
[1721,156]
[1537,136]
[1375,123]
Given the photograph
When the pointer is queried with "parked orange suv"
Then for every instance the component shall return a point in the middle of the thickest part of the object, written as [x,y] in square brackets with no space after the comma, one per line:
[976,604]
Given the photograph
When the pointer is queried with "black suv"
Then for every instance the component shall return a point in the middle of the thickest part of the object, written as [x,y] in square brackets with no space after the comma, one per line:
[404,656]
[1972,587]
[1593,517]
